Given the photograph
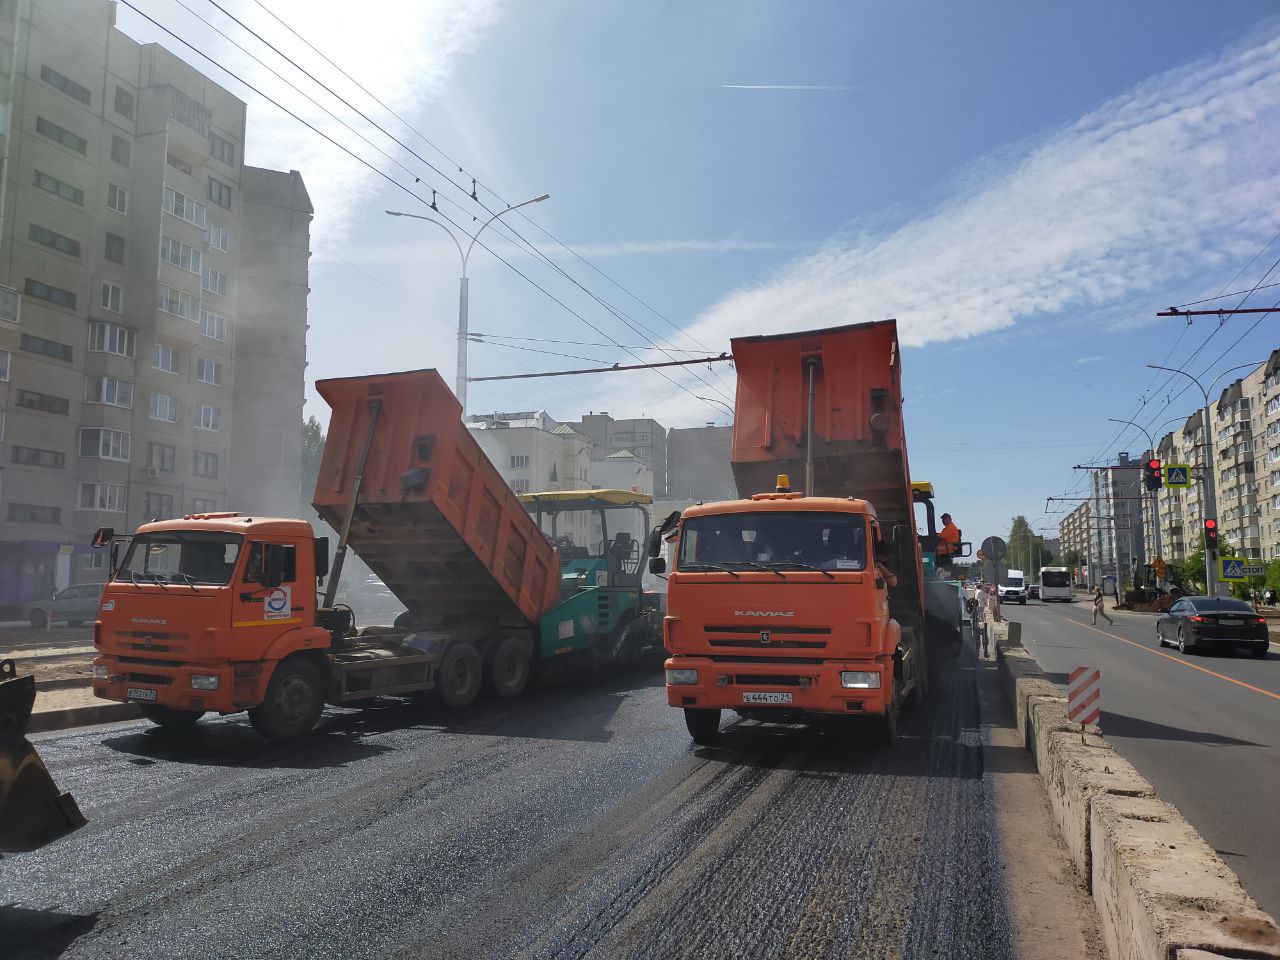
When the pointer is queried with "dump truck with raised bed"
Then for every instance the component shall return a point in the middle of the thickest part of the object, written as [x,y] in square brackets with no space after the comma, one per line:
[219,612]
[780,605]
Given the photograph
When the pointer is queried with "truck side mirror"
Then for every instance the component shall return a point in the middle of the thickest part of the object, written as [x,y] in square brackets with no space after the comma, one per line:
[655,542]
[321,547]
[103,536]
[273,568]
[657,564]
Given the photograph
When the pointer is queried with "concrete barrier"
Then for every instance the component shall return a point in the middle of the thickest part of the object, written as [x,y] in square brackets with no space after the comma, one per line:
[1162,892]
[42,721]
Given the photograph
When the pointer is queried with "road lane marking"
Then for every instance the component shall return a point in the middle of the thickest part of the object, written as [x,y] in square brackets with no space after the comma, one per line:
[1177,660]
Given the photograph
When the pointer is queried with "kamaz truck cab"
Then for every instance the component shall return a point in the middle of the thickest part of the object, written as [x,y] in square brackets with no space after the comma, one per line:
[600,536]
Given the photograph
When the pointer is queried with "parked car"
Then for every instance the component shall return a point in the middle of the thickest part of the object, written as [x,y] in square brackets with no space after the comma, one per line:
[74,604]
[1202,622]
[1033,591]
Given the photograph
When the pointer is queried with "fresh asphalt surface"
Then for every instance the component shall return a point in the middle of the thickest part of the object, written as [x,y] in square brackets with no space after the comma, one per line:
[1210,746]
[576,822]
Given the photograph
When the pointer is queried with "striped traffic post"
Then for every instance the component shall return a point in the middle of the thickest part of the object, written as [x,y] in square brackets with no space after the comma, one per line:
[1084,697]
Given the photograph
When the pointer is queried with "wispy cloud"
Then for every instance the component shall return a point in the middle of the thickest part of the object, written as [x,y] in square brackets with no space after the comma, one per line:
[1093,359]
[1172,177]
[787,86]
[406,67]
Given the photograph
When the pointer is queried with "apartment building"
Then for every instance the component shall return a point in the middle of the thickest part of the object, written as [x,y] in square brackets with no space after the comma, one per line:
[646,439]
[1117,520]
[1235,465]
[698,463]
[1073,532]
[131,234]
[1266,448]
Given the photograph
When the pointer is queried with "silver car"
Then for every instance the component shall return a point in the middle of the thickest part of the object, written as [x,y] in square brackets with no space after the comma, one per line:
[74,605]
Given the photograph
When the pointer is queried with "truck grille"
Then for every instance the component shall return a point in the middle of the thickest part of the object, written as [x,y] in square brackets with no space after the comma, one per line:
[770,680]
[778,629]
[749,643]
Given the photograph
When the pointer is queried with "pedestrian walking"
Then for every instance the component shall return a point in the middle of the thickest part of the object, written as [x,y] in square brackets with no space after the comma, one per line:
[1098,608]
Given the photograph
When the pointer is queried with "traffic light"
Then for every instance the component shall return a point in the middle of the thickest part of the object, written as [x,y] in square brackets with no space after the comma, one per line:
[1153,474]
[1210,534]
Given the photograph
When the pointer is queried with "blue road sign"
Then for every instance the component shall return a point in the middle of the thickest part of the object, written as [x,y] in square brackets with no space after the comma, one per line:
[1231,568]
[1177,475]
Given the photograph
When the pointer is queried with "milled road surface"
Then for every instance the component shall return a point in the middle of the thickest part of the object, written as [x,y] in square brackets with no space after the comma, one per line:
[1203,728]
[579,822]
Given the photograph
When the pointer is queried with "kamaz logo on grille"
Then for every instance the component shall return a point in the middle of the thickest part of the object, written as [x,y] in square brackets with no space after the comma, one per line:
[764,613]
[766,636]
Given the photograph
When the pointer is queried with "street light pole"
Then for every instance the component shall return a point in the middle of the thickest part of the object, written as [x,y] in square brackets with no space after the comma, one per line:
[460,381]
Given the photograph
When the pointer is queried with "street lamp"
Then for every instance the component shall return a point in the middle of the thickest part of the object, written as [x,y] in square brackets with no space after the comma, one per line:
[1155,494]
[460,387]
[721,402]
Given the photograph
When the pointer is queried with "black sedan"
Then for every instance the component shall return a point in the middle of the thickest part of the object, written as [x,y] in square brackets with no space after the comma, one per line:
[1201,622]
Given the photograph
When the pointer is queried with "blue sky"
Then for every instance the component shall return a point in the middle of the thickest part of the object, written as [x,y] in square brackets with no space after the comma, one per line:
[1022,185]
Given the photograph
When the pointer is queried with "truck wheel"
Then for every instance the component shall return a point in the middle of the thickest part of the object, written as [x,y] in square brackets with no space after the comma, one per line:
[885,730]
[168,717]
[461,670]
[704,725]
[294,701]
[509,671]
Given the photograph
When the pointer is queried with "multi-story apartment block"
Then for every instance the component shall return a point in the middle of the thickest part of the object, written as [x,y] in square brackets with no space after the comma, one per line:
[1234,463]
[1117,521]
[645,438]
[141,263]
[1073,533]
[1266,449]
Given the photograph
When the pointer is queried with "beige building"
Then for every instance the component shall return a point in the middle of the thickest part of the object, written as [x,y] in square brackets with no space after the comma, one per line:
[1073,533]
[147,278]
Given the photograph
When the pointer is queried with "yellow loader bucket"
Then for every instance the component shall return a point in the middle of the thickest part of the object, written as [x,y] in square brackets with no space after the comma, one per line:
[32,811]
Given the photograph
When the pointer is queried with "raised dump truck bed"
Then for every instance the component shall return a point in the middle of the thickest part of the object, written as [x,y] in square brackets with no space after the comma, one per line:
[433,518]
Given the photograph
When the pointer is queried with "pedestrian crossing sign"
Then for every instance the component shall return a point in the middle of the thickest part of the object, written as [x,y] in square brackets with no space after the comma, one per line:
[1177,475]
[1231,568]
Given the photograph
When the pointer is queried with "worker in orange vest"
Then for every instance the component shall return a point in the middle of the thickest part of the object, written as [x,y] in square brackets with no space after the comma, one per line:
[948,540]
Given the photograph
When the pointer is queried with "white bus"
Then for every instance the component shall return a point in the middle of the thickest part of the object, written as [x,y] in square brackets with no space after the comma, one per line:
[1055,584]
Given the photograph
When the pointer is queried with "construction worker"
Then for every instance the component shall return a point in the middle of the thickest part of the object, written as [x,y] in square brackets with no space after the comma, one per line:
[948,540]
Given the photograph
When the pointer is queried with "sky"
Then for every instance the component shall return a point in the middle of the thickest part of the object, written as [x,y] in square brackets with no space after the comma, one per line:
[1023,186]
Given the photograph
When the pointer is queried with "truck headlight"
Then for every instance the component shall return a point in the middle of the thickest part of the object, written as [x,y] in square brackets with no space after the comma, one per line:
[100,671]
[677,677]
[859,680]
[204,681]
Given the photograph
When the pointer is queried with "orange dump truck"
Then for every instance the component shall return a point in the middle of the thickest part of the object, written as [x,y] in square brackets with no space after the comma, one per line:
[776,607]
[219,612]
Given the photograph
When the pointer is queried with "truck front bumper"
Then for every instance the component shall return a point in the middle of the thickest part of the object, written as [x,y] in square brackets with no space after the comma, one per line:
[803,688]
[237,687]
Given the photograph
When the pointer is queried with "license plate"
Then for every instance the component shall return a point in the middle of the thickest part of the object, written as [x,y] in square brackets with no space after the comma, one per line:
[1232,623]
[137,693]
[766,697]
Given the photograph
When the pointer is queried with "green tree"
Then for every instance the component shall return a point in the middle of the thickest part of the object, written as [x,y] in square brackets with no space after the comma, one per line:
[1027,551]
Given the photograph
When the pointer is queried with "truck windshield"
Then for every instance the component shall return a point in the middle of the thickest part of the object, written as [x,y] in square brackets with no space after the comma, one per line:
[193,556]
[1011,582]
[1055,578]
[778,541]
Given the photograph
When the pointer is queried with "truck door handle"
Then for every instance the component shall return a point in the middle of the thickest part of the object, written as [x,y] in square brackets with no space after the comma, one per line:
[295,609]
[246,597]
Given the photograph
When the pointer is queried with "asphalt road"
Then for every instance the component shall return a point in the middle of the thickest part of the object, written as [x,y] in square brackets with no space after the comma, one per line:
[1203,728]
[577,822]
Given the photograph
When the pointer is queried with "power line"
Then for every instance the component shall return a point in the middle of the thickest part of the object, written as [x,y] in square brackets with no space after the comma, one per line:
[379,172]
[574,343]
[616,368]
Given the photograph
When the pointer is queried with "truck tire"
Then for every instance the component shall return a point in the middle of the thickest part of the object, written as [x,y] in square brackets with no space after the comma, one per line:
[704,725]
[885,727]
[509,668]
[459,676]
[294,701]
[169,717]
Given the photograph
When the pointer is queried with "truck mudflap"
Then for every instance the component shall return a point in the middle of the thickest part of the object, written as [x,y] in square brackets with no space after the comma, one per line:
[785,688]
[33,812]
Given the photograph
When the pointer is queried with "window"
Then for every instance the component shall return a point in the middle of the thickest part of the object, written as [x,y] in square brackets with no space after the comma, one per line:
[179,254]
[209,371]
[120,149]
[58,188]
[780,540]
[203,505]
[107,497]
[519,463]
[43,291]
[4,365]
[44,402]
[189,112]
[164,407]
[215,281]
[178,303]
[164,357]
[184,207]
[115,248]
[219,193]
[124,102]
[34,513]
[35,457]
[112,297]
[68,86]
[255,563]
[104,444]
[110,338]
[213,326]
[109,390]
[204,464]
[223,150]
[219,238]
[520,486]
[209,417]
[47,128]
[178,164]
[117,198]
[10,304]
[47,348]
[161,456]
[56,241]
[158,506]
